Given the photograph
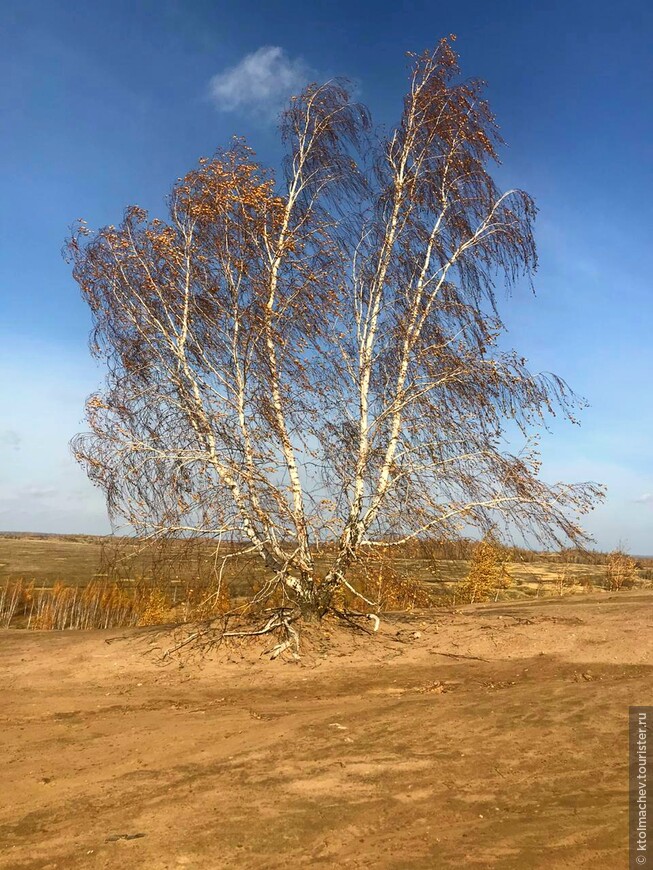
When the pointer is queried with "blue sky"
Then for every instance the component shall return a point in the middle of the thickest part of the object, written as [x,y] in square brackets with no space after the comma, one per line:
[105,104]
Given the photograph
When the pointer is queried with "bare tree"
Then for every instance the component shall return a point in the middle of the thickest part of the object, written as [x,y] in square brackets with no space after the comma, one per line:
[309,366]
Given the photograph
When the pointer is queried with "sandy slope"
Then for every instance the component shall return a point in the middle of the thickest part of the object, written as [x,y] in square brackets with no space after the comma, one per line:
[384,754]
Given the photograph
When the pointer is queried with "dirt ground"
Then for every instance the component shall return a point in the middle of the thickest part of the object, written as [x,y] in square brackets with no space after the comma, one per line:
[492,736]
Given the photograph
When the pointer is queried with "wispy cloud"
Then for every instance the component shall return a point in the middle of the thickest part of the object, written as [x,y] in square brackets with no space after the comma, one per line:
[645,498]
[39,493]
[13,495]
[11,439]
[260,83]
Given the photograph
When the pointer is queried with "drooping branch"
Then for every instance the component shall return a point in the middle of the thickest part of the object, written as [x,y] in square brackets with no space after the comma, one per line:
[312,363]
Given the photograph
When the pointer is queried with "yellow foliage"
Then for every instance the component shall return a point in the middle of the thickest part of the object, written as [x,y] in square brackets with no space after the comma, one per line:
[154,608]
[381,582]
[204,602]
[488,574]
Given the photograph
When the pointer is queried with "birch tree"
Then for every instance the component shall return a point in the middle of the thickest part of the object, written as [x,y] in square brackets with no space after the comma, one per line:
[309,364]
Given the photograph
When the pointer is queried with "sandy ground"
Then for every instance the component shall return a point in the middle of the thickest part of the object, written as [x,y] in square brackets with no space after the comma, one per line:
[493,736]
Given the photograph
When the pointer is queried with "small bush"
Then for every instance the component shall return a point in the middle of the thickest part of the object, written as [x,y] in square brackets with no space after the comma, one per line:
[488,574]
[620,570]
[379,580]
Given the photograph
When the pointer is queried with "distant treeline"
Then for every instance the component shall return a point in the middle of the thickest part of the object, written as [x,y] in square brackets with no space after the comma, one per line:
[464,549]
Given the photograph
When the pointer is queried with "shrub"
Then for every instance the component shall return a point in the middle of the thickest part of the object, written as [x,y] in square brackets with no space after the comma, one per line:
[488,574]
[381,582]
[620,570]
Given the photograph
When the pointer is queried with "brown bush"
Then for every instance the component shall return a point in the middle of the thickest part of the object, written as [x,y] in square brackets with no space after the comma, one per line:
[620,570]
[382,583]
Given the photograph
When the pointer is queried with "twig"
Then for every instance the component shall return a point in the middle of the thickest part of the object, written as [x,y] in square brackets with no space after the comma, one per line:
[460,656]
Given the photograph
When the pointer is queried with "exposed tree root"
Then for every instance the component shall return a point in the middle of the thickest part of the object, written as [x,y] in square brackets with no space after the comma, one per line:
[351,617]
[282,622]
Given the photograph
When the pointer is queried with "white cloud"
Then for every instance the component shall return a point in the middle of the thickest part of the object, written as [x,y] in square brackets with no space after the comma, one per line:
[260,83]
[646,498]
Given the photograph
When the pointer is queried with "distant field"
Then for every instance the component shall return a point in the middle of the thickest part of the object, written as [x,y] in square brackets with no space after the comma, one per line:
[49,559]
[78,559]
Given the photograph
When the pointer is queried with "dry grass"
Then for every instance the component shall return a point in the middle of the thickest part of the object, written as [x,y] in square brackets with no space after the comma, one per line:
[63,582]
[101,604]
[47,559]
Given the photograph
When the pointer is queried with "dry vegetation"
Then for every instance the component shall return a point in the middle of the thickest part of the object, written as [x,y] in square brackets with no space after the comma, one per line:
[83,582]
